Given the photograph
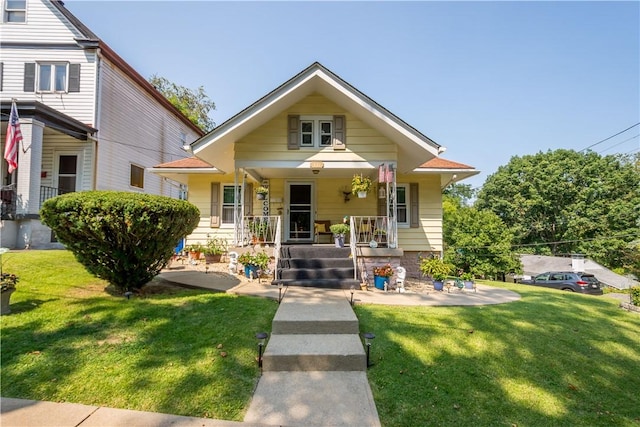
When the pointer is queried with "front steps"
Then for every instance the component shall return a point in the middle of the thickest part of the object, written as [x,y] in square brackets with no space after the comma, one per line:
[314,333]
[314,365]
[316,266]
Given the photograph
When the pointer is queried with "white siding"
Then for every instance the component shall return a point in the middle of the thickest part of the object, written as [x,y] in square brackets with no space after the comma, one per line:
[44,24]
[134,128]
[79,105]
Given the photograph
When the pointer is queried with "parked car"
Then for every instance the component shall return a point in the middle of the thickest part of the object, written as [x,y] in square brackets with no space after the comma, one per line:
[567,281]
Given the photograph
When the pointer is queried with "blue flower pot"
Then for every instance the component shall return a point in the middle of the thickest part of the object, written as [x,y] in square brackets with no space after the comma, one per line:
[378,282]
[251,268]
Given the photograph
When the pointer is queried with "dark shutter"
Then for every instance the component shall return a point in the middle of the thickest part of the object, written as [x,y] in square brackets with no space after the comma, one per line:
[1,74]
[339,133]
[215,205]
[29,77]
[248,199]
[74,77]
[414,208]
[293,134]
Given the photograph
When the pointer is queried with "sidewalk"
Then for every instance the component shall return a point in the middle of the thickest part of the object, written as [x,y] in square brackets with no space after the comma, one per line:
[27,413]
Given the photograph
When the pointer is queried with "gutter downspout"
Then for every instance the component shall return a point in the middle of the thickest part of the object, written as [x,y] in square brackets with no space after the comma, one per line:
[98,115]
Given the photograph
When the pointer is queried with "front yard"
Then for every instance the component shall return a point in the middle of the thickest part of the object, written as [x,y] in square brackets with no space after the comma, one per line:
[551,358]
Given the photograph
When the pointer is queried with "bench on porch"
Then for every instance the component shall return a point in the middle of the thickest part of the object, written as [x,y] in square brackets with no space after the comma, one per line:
[321,229]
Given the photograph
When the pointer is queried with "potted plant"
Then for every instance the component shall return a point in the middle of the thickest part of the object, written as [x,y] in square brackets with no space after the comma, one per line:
[261,192]
[195,250]
[253,262]
[381,276]
[214,248]
[437,269]
[467,278]
[339,231]
[8,283]
[360,185]
[258,228]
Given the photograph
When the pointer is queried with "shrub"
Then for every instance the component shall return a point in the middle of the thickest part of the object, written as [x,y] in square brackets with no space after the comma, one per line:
[435,268]
[635,296]
[124,238]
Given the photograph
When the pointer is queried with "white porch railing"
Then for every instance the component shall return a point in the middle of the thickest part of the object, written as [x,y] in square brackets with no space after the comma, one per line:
[265,230]
[371,231]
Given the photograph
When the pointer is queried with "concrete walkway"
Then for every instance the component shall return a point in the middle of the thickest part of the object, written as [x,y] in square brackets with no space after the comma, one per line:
[301,398]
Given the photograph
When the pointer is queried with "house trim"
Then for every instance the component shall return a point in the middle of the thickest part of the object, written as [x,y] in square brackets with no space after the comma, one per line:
[317,79]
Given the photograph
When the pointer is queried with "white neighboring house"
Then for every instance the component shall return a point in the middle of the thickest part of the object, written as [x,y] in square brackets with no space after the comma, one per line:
[89,121]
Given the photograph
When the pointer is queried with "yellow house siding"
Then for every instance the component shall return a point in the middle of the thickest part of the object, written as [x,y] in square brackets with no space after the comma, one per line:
[428,237]
[269,141]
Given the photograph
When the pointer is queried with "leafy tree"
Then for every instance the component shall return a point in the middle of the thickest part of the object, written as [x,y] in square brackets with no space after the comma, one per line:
[477,241]
[464,193]
[566,202]
[124,238]
[194,104]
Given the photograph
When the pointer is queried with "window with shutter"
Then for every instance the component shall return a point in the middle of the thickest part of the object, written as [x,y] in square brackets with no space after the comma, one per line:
[314,131]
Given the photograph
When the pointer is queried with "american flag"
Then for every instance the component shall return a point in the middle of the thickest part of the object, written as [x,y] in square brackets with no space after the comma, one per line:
[14,136]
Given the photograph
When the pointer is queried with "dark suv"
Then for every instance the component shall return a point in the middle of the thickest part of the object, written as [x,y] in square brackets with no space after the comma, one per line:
[567,281]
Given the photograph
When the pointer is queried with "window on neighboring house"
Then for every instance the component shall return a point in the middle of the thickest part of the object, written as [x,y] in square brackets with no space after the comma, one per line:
[52,77]
[228,200]
[316,131]
[183,139]
[137,176]
[15,11]
[402,207]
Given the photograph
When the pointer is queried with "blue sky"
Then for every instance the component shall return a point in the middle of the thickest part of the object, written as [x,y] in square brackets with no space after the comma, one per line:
[488,80]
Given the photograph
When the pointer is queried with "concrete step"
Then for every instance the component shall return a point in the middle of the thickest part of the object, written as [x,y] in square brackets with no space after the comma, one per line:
[314,352]
[324,312]
[312,399]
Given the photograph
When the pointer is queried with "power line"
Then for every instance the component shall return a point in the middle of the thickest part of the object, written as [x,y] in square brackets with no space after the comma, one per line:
[612,136]
[635,234]
[619,143]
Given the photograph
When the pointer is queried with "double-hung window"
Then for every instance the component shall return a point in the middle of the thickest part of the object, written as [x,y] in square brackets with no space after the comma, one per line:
[15,11]
[228,201]
[52,77]
[402,204]
[316,131]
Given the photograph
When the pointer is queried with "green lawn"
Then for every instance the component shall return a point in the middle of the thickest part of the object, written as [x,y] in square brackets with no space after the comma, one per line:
[68,340]
[550,359]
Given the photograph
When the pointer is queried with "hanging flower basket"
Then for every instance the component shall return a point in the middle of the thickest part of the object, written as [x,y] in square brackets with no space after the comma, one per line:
[361,185]
[261,193]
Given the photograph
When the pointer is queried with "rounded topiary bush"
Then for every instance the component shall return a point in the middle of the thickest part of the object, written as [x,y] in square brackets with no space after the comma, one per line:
[124,238]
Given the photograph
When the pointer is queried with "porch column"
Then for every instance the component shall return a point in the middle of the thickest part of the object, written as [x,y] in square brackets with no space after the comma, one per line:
[29,167]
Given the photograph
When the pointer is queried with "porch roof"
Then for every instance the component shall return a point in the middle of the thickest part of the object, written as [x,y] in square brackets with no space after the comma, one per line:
[414,147]
[179,170]
[448,170]
[51,118]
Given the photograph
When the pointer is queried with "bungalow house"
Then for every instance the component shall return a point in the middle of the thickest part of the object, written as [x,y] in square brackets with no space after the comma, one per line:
[89,121]
[305,142]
